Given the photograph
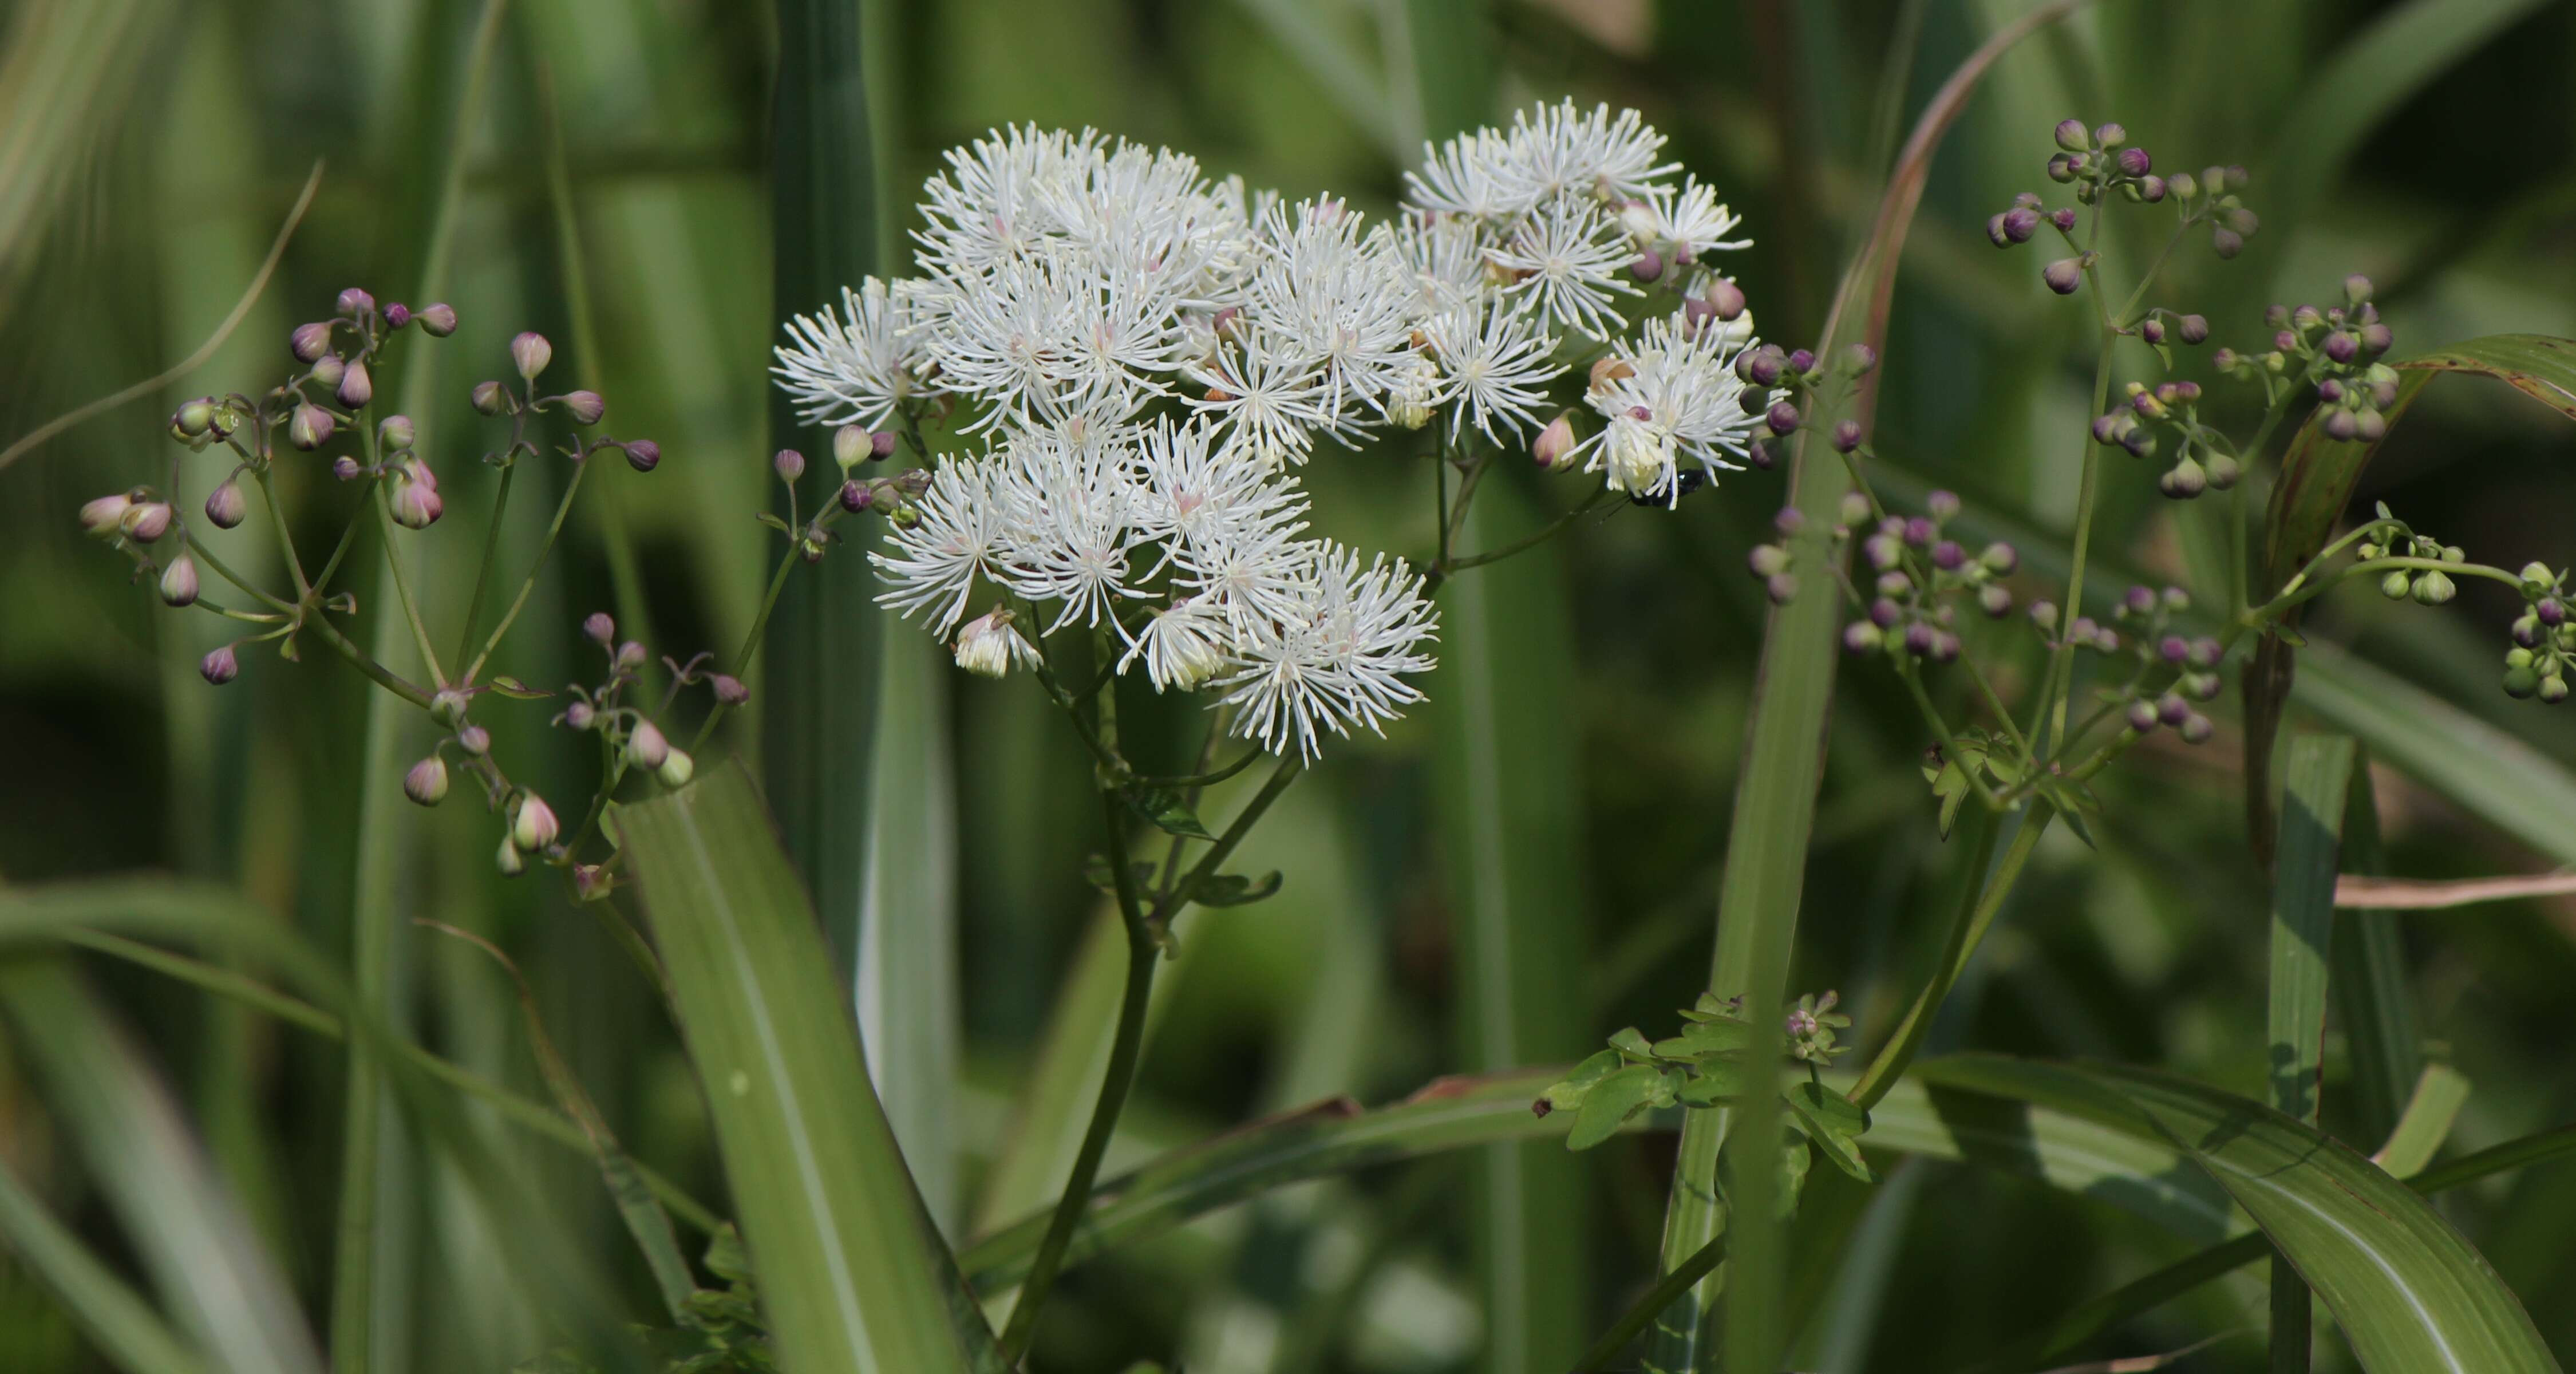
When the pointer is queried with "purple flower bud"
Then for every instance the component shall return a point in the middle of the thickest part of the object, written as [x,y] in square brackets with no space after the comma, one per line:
[397,315]
[1920,532]
[1995,599]
[2196,729]
[2173,648]
[2172,709]
[1802,360]
[356,387]
[599,627]
[2376,338]
[439,320]
[2527,632]
[789,464]
[1948,556]
[2062,167]
[2227,243]
[2063,219]
[310,341]
[1646,266]
[2342,346]
[2329,391]
[1846,436]
[1726,298]
[491,398]
[226,506]
[346,468]
[1759,454]
[1782,588]
[529,352]
[354,302]
[2552,612]
[1885,613]
[310,428]
[2192,329]
[1760,366]
[1789,520]
[2140,601]
[2134,162]
[220,666]
[1782,418]
[729,689]
[179,581]
[1861,636]
[426,783]
[586,407]
[855,496]
[881,444]
[2107,429]
[1995,231]
[2064,276]
[2018,224]
[1942,503]
[643,455]
[2070,135]
[2151,189]
[2142,717]
[2153,331]
[2342,425]
[1919,639]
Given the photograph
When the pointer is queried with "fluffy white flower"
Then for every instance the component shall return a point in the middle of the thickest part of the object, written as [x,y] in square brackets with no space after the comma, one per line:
[855,365]
[1271,402]
[959,536]
[1558,149]
[1183,645]
[1676,397]
[1473,175]
[1338,658]
[1330,297]
[1568,256]
[1495,365]
[1686,222]
[991,646]
[1069,499]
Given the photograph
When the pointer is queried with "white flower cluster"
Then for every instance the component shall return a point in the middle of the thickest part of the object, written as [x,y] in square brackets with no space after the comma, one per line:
[1146,356]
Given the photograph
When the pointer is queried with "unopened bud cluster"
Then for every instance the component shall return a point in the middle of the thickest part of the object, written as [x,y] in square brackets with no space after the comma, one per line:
[2544,638]
[1920,572]
[2100,163]
[1809,1027]
[2146,626]
[2423,586]
[2202,461]
[2338,347]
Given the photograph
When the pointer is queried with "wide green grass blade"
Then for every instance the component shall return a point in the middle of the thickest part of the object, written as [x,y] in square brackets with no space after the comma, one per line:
[370,1284]
[201,1251]
[2115,1163]
[2303,916]
[2409,1293]
[113,1317]
[1505,802]
[2426,1123]
[852,1274]
[2369,981]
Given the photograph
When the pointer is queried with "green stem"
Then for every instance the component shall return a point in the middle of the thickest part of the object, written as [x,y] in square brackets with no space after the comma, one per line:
[339,551]
[491,555]
[1699,1264]
[402,589]
[1187,890]
[1204,779]
[1941,729]
[2271,610]
[2060,681]
[750,649]
[1143,953]
[366,663]
[207,556]
[285,541]
[1441,570]
[528,588]
[1977,911]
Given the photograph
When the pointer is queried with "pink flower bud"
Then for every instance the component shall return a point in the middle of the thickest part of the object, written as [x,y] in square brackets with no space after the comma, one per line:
[790,464]
[146,521]
[106,515]
[179,581]
[599,627]
[226,506]
[643,455]
[646,746]
[397,315]
[426,783]
[356,387]
[586,407]
[310,341]
[1554,449]
[220,666]
[355,302]
[310,428]
[529,352]
[345,468]
[881,444]
[536,826]
[729,689]
[439,320]
[490,398]
[856,496]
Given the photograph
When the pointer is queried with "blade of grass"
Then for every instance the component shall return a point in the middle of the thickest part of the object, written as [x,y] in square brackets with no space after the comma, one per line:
[1505,798]
[114,1317]
[1775,802]
[200,1250]
[2313,806]
[2426,1123]
[2369,979]
[369,1292]
[852,1273]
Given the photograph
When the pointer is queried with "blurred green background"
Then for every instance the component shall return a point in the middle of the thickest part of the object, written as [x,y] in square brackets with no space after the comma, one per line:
[149,149]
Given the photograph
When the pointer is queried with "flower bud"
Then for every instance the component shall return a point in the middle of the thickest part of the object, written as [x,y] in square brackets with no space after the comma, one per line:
[1554,447]
[1859,360]
[535,827]
[2143,717]
[643,455]
[2223,471]
[2551,612]
[2434,588]
[2150,189]
[2227,243]
[397,315]
[789,465]
[1802,361]
[677,769]
[1646,266]
[2063,219]
[226,506]
[448,707]
[2171,709]
[310,341]
[193,418]
[646,747]
[416,503]
[356,302]
[356,388]
[1758,453]
[2152,330]
[599,628]
[474,740]
[2192,329]
[1846,436]
[439,320]
[2110,136]
[2063,276]
[850,447]
[426,783]
[1919,639]
[586,407]
[1948,556]
[491,398]
[1767,559]
[105,516]
[529,352]
[1893,584]
[1782,418]
[2070,135]
[220,666]
[310,427]
[2044,615]
[1782,588]
[2013,226]
[145,521]
[179,581]
[2196,729]
[1885,613]
[2395,586]
[330,370]
[2342,346]
[729,689]
[1726,298]
[2184,480]
[1995,599]
[508,860]
[856,496]
[1861,636]
[2376,338]
[580,715]
[2356,289]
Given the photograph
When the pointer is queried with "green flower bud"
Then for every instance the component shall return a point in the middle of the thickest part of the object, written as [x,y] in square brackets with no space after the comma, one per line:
[2553,689]
[2070,135]
[2434,588]
[2517,657]
[195,417]
[677,769]
[508,860]
[448,708]
[2395,586]
[535,826]
[2536,577]
[490,398]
